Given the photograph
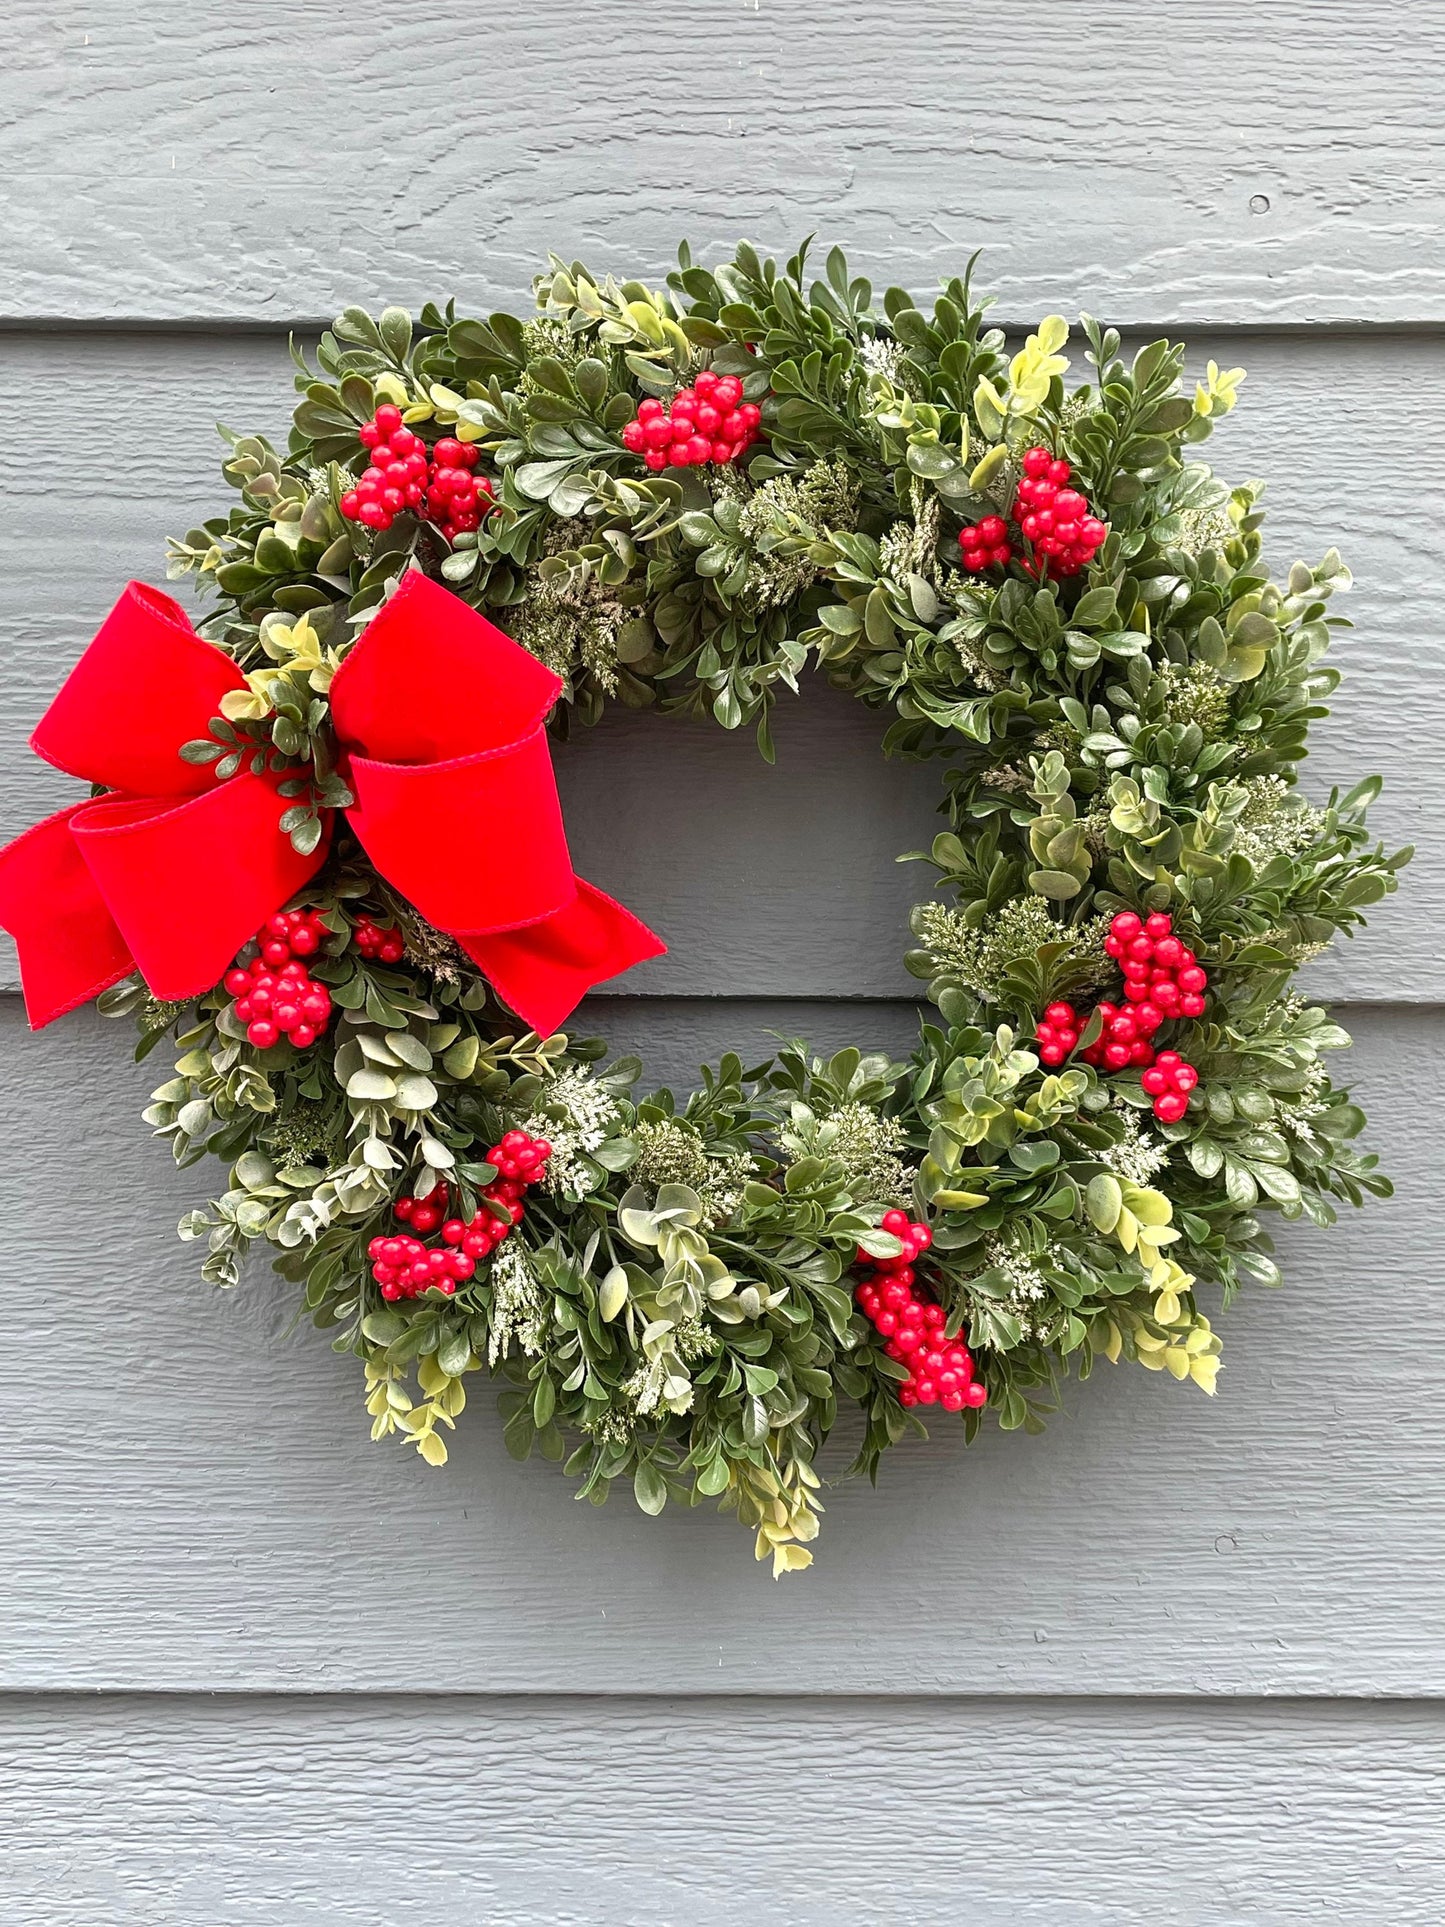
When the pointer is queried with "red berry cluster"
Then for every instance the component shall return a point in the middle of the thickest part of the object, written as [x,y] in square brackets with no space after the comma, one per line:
[1054,521]
[985,544]
[456,499]
[1169,1080]
[1162,981]
[709,422]
[275,994]
[940,1369]
[424,1214]
[378,945]
[404,1267]
[439,486]
[1158,969]
[1124,1040]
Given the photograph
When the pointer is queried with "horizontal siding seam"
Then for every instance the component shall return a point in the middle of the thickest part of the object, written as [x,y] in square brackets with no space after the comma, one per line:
[395,1697]
[1424,328]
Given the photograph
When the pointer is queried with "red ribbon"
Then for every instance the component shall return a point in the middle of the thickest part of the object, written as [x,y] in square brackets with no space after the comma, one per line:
[439,717]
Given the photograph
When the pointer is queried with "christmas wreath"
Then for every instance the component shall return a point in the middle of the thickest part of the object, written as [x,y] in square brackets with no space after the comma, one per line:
[481,531]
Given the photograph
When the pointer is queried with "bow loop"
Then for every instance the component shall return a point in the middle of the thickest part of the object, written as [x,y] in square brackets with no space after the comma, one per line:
[500,807]
[430,679]
[228,841]
[441,718]
[147,684]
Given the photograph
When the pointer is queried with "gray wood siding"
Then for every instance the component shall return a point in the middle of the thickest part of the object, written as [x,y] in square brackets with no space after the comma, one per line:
[1178,1660]
[529,1812]
[1169,162]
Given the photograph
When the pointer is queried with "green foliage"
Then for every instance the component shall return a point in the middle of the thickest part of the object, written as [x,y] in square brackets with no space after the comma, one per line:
[676,1312]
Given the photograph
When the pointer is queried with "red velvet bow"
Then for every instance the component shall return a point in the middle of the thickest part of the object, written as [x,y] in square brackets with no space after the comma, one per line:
[439,716]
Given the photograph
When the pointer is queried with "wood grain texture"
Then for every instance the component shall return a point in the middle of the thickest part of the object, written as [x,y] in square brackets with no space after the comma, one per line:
[177,162]
[189,1500]
[764,881]
[534,1814]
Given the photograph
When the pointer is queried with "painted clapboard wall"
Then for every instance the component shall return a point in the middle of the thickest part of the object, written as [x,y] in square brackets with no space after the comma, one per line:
[1174,1662]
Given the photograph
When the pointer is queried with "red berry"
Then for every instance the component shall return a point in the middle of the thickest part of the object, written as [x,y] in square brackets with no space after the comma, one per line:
[263,1034]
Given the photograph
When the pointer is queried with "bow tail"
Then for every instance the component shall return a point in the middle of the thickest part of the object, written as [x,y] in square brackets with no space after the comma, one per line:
[546,968]
[507,894]
[71,948]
